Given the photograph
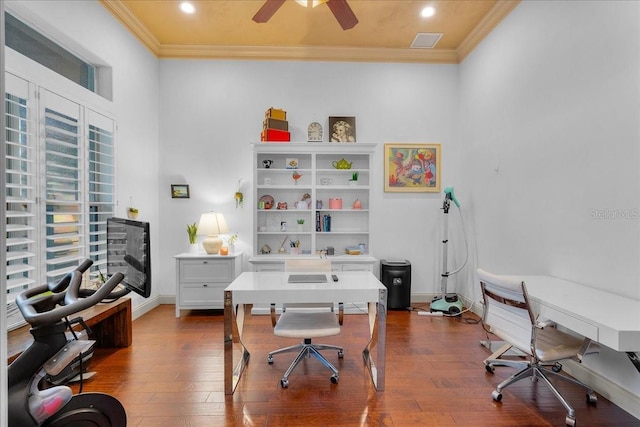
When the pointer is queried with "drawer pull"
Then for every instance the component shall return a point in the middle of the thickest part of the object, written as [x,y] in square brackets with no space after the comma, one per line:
[204,285]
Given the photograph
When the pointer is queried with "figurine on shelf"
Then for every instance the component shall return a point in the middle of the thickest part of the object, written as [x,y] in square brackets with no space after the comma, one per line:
[296,176]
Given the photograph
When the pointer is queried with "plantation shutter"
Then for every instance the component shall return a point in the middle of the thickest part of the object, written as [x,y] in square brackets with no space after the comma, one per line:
[63,184]
[20,158]
[101,186]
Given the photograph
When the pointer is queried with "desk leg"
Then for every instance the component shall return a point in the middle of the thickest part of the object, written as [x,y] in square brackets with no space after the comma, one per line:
[375,352]
[233,347]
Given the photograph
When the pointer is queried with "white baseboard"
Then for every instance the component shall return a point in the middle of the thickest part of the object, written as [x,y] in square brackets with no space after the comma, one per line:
[146,305]
[603,386]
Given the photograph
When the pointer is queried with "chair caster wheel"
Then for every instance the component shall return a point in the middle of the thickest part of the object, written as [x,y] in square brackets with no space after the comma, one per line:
[284,383]
[489,368]
[571,421]
[557,367]
[592,398]
[270,360]
[334,379]
[340,354]
[496,395]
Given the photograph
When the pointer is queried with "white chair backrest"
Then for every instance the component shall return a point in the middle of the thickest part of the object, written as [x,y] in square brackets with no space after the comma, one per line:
[307,264]
[507,312]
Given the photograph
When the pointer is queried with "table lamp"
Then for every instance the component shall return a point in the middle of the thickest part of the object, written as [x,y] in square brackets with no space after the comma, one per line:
[211,225]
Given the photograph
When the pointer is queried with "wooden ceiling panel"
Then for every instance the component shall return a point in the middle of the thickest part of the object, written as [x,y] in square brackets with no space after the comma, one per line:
[384,32]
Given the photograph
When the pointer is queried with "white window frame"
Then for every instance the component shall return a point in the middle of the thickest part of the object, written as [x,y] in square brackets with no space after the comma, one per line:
[47,88]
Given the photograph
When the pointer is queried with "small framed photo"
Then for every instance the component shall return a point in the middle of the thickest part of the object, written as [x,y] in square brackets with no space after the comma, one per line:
[412,168]
[179,191]
[342,129]
[292,163]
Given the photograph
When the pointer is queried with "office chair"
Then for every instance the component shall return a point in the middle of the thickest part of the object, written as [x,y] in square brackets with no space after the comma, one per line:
[307,321]
[508,314]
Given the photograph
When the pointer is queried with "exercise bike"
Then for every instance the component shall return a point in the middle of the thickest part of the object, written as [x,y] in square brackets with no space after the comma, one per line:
[35,398]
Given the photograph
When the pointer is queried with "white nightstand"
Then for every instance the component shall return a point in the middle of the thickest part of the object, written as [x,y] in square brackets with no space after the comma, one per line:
[202,278]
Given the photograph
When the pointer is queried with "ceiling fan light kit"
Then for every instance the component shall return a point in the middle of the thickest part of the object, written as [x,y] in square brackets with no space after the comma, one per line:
[340,9]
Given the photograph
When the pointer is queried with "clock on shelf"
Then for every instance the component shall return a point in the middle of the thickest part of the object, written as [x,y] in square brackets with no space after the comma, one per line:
[314,132]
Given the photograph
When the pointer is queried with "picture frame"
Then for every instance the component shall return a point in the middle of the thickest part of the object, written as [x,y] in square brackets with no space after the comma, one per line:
[342,129]
[179,191]
[412,168]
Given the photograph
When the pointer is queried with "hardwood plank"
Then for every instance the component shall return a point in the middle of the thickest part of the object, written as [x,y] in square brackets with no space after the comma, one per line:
[171,375]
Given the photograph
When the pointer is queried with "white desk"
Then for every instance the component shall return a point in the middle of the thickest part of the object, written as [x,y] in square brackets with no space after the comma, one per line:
[268,287]
[605,318]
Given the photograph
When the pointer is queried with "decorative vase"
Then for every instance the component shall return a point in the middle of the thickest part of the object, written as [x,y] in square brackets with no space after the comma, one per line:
[300,228]
[194,248]
[232,248]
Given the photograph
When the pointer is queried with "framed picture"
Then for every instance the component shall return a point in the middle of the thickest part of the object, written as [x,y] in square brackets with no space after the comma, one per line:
[342,129]
[412,168]
[179,191]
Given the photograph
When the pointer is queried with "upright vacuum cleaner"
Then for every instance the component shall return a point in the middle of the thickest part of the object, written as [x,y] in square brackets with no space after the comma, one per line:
[448,303]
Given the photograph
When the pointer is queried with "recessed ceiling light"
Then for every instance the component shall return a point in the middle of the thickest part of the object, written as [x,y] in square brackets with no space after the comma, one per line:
[428,12]
[187,7]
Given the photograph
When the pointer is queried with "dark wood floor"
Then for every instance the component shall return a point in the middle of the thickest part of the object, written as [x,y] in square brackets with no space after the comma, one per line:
[172,376]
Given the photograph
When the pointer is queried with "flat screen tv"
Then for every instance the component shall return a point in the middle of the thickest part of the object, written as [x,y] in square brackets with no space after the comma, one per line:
[129,252]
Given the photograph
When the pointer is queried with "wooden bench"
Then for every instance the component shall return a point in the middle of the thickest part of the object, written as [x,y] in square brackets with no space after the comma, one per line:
[109,322]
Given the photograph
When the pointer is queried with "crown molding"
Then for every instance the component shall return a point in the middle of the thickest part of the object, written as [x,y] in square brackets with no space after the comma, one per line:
[491,20]
[309,53]
[133,24]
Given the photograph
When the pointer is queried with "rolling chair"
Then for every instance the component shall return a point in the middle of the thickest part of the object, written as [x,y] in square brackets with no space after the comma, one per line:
[508,314]
[307,321]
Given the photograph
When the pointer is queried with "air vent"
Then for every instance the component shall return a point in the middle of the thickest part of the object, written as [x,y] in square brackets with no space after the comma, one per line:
[425,40]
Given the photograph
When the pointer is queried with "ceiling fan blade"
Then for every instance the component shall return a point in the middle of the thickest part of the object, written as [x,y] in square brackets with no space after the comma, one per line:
[267,10]
[343,13]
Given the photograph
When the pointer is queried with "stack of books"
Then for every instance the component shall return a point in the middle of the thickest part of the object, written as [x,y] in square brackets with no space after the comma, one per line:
[323,222]
[275,127]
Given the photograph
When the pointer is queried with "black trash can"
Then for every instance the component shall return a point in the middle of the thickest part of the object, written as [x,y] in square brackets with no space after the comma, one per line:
[396,276]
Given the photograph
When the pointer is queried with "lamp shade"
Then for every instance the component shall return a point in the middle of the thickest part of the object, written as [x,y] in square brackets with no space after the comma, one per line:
[211,224]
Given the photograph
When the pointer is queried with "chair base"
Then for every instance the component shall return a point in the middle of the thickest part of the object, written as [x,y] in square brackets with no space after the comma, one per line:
[307,349]
[535,371]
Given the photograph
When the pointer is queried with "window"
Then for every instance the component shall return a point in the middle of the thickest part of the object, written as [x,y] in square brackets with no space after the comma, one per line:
[60,186]
[34,45]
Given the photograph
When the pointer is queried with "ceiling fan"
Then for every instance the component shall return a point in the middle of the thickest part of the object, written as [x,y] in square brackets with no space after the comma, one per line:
[340,9]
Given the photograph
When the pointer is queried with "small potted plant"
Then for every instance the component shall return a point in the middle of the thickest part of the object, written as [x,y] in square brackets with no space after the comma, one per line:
[192,232]
[231,243]
[132,213]
[354,179]
[300,224]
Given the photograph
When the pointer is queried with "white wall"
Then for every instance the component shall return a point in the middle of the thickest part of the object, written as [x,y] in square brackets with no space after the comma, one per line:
[213,110]
[90,31]
[550,103]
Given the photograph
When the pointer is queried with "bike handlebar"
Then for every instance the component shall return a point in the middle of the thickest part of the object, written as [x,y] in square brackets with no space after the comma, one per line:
[28,301]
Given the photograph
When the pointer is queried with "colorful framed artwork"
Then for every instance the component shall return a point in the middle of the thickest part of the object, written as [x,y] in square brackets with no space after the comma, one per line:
[342,129]
[179,191]
[412,168]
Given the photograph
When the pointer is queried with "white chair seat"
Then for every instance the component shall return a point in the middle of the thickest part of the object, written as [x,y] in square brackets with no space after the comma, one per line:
[307,321]
[307,325]
[552,344]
